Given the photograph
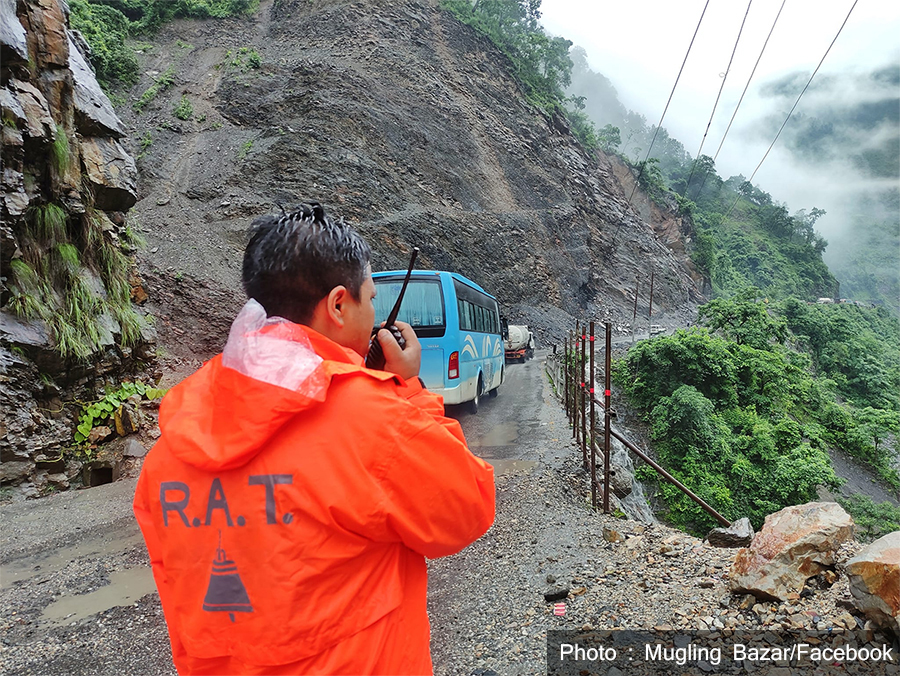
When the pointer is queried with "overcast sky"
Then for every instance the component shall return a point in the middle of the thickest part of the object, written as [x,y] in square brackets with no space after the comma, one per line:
[640,45]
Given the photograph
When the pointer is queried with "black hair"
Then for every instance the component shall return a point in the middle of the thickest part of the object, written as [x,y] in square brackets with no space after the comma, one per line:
[292,262]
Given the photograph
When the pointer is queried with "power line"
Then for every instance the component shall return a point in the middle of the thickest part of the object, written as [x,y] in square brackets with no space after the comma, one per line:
[750,180]
[738,106]
[734,114]
[641,172]
[752,73]
[718,96]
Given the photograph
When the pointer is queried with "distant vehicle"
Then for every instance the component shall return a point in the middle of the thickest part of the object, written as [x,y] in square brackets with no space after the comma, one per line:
[458,324]
[656,328]
[519,343]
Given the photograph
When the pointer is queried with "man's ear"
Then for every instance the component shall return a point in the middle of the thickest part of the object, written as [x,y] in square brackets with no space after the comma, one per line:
[333,306]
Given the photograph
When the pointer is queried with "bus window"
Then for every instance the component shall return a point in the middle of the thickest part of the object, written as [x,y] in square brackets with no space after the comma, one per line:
[423,304]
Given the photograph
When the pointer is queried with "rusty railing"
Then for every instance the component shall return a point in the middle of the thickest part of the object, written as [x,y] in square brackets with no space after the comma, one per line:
[580,399]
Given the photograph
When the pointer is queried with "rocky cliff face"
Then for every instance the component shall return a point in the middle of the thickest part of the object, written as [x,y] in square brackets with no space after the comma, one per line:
[407,123]
[67,183]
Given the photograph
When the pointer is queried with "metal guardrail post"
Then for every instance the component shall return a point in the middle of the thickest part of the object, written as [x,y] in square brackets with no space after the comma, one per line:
[575,394]
[584,458]
[593,429]
[606,397]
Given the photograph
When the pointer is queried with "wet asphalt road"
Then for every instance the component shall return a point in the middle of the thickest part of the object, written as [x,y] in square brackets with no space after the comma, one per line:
[504,424]
[76,592]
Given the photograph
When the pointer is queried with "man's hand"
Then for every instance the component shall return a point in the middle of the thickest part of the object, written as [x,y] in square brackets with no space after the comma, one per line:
[406,362]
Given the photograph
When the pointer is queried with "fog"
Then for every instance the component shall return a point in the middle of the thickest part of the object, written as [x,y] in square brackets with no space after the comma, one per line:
[840,150]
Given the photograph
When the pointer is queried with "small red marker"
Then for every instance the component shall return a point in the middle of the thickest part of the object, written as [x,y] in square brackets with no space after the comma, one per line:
[559,608]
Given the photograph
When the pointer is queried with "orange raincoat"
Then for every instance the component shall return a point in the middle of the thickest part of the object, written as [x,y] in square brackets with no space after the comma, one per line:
[288,521]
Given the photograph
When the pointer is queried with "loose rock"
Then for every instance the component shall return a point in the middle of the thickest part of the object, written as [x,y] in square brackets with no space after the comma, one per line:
[794,544]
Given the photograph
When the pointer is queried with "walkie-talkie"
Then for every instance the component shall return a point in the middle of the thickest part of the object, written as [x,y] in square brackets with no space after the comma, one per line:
[375,357]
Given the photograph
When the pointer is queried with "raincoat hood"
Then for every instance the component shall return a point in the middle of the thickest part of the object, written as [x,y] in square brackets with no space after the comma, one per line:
[270,370]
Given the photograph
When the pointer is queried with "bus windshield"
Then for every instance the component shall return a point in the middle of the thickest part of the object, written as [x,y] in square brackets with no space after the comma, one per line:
[422,307]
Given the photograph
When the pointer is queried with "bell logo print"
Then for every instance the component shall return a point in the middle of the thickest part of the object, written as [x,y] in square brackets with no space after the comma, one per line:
[226,592]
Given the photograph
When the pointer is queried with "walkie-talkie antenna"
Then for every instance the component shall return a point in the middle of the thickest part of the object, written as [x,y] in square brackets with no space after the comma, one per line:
[375,357]
[392,317]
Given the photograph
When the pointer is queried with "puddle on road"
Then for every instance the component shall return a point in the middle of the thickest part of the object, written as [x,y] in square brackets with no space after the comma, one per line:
[34,566]
[509,466]
[124,588]
[504,434]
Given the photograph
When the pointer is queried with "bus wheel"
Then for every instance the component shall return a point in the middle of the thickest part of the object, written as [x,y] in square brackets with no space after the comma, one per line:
[479,390]
[493,393]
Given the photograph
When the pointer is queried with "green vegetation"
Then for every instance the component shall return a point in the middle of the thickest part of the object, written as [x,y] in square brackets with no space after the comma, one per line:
[744,420]
[134,237]
[539,62]
[46,223]
[245,59]
[872,519]
[97,412]
[72,278]
[245,149]
[106,29]
[855,347]
[581,125]
[163,82]
[108,24]
[183,110]
[146,142]
[60,151]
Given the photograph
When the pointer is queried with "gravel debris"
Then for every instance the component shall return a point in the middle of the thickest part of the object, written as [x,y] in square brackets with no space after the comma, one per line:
[488,604]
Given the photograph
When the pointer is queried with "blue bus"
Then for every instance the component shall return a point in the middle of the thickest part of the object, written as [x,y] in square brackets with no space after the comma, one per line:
[457,323]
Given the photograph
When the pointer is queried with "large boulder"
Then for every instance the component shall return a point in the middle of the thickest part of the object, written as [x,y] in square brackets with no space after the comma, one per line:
[39,123]
[94,114]
[794,544]
[112,173]
[12,34]
[874,576]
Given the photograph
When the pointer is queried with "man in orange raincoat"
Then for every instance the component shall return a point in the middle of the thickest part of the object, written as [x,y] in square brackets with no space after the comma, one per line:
[294,494]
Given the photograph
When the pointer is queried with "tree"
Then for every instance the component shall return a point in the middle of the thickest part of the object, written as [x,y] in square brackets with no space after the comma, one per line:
[745,320]
[878,425]
[704,252]
[609,138]
[805,223]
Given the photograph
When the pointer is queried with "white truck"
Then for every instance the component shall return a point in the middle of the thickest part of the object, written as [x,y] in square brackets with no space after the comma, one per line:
[519,343]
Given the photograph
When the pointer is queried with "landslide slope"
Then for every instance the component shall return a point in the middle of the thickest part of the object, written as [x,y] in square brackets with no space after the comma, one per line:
[407,123]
